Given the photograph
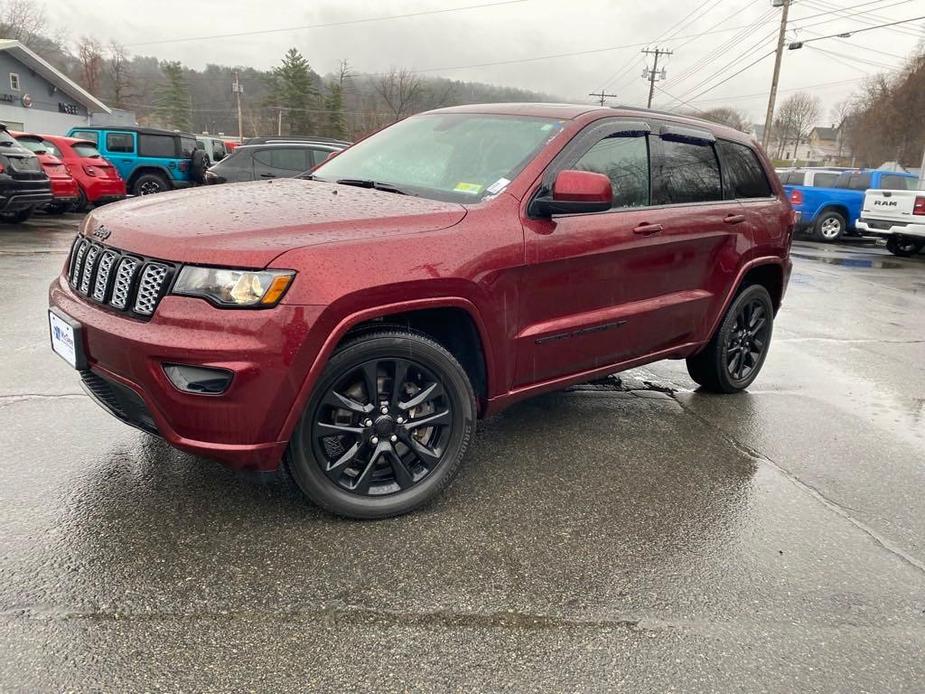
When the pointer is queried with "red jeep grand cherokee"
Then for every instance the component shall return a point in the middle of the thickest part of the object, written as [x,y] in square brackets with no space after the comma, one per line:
[356,324]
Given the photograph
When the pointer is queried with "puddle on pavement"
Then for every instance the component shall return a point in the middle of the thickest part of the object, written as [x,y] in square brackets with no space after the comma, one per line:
[878,263]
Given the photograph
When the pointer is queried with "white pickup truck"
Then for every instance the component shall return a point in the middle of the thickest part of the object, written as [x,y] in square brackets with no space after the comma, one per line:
[896,215]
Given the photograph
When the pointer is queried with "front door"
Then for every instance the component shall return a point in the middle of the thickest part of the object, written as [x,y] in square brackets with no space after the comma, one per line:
[119,149]
[607,287]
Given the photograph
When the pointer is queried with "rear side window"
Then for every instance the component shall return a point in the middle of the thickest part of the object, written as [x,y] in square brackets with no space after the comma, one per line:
[684,172]
[625,161]
[853,181]
[743,175]
[50,148]
[894,182]
[91,135]
[157,145]
[120,142]
[187,146]
[85,149]
[290,159]
[824,180]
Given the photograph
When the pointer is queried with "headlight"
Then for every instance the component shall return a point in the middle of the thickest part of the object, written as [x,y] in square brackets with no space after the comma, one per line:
[234,288]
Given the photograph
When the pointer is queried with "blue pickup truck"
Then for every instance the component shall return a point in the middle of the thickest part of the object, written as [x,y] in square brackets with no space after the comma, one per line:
[831,210]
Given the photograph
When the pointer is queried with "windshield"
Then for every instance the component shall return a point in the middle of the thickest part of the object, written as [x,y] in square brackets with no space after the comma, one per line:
[86,149]
[455,157]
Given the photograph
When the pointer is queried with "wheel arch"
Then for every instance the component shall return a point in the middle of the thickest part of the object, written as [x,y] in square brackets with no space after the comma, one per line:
[453,322]
[771,273]
[149,169]
[833,207]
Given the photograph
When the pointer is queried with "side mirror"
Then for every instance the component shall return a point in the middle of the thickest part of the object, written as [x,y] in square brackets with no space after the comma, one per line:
[575,192]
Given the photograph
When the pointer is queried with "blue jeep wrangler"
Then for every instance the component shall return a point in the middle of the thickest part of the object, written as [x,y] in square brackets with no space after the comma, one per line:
[150,160]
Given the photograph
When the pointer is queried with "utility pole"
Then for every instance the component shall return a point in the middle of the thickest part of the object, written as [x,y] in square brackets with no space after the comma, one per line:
[238,90]
[602,95]
[769,117]
[652,74]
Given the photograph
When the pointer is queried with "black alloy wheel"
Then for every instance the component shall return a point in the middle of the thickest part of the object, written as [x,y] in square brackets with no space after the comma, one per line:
[386,428]
[735,354]
[748,340]
[383,427]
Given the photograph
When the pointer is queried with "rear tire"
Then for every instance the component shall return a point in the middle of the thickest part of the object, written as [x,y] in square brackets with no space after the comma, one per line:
[149,184]
[903,246]
[17,217]
[374,456]
[830,226]
[82,203]
[734,356]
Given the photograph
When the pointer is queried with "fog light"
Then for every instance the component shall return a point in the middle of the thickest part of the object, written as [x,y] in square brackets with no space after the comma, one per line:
[201,380]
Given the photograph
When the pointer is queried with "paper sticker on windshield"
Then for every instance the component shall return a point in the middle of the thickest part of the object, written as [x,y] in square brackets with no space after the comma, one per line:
[471,188]
[497,186]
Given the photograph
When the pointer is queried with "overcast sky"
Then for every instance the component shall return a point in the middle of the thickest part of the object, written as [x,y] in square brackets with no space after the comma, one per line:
[483,43]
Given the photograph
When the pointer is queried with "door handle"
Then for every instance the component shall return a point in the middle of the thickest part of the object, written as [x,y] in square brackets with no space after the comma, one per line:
[647,229]
[734,218]
[267,175]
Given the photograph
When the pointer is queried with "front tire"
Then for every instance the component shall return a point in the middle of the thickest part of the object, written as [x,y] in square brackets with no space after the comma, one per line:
[904,247]
[386,428]
[732,359]
[830,226]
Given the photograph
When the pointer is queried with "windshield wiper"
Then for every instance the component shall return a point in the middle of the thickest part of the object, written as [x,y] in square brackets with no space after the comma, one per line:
[367,183]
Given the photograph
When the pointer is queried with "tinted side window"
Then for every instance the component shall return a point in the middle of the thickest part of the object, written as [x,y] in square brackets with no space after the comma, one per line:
[853,181]
[157,145]
[683,172]
[824,180]
[240,160]
[743,176]
[894,182]
[91,135]
[120,142]
[187,146]
[625,161]
[290,159]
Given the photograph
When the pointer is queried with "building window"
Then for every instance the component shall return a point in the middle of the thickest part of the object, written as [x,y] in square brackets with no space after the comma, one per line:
[14,81]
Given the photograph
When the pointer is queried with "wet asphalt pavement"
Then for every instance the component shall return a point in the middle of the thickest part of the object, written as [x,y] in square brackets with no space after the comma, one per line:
[640,536]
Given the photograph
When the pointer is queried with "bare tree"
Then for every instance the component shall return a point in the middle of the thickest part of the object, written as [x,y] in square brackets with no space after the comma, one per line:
[401,90]
[90,55]
[117,68]
[726,115]
[795,119]
[21,19]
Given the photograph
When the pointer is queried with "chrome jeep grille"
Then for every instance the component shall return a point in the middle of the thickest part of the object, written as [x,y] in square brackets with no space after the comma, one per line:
[128,283]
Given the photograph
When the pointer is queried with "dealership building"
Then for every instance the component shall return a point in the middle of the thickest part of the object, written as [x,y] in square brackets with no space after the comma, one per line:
[37,97]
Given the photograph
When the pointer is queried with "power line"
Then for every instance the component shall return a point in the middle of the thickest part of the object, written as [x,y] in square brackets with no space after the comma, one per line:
[799,44]
[735,74]
[345,22]
[866,17]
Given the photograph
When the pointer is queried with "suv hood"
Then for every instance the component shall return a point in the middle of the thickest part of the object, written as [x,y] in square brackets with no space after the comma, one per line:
[249,224]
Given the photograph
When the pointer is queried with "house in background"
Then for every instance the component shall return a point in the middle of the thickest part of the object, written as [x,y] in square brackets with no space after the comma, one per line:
[37,97]
[823,146]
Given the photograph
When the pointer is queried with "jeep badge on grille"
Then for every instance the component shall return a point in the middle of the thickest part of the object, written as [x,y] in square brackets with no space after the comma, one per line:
[101,233]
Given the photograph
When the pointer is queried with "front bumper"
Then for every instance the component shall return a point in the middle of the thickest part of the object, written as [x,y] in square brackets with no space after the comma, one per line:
[268,351]
[886,230]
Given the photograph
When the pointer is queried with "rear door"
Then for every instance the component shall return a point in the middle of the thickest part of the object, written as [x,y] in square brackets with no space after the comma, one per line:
[745,180]
[604,288]
[281,162]
[120,149]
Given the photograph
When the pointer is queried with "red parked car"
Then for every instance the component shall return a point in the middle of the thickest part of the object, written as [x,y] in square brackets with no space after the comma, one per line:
[63,186]
[355,325]
[98,181]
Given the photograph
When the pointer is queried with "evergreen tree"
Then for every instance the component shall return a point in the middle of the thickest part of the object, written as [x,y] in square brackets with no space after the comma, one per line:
[173,98]
[296,93]
[335,122]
